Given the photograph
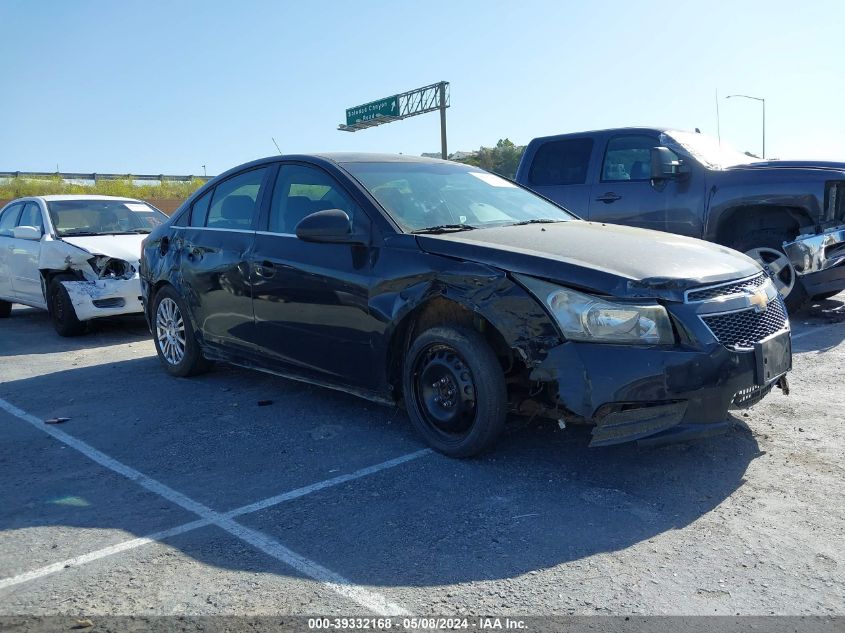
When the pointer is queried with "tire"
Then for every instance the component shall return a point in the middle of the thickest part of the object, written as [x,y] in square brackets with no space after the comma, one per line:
[455,391]
[766,247]
[826,295]
[62,312]
[5,309]
[176,345]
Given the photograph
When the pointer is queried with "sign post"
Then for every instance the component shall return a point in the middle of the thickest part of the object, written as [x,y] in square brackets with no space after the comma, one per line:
[401,106]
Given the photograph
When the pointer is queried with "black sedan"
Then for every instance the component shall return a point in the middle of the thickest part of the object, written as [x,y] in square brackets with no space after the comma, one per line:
[463,296]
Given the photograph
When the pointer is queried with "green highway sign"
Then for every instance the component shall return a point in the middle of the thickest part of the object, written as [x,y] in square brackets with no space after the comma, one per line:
[373,110]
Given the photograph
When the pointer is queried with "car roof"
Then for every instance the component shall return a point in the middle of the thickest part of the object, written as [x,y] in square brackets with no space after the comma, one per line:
[639,128]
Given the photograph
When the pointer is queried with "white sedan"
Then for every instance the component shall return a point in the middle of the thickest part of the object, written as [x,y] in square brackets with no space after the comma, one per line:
[74,256]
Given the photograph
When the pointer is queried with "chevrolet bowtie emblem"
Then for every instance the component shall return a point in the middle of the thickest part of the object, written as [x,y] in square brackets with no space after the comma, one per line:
[757,297]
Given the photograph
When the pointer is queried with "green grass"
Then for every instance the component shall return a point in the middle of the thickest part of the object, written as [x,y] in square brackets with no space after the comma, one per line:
[20,187]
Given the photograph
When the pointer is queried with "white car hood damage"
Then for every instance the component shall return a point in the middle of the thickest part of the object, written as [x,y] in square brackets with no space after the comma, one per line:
[125,247]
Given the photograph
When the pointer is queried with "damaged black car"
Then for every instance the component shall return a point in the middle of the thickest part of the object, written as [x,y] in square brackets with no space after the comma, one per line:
[462,296]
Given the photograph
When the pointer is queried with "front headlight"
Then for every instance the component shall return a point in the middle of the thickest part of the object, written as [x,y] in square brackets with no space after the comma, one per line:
[583,317]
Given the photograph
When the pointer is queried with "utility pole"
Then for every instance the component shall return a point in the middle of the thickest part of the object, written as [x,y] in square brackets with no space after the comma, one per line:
[444,154]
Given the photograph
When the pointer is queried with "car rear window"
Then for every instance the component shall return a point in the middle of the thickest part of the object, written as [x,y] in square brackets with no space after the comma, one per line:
[563,162]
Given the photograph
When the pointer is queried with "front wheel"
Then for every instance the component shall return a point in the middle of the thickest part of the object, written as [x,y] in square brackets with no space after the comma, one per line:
[455,391]
[174,339]
[61,309]
[766,247]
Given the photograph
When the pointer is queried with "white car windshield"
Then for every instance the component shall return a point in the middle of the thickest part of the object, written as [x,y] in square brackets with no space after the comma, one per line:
[423,196]
[103,217]
[708,150]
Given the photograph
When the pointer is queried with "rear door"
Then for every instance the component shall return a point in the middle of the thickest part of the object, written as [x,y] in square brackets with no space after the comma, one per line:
[560,169]
[214,258]
[8,221]
[625,193]
[26,279]
[311,300]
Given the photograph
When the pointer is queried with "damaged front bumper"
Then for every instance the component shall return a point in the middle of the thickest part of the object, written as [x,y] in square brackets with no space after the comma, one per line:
[815,253]
[630,393]
[105,297]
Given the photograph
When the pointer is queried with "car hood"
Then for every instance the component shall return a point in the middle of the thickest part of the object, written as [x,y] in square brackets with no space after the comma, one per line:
[609,259]
[125,247]
[792,164]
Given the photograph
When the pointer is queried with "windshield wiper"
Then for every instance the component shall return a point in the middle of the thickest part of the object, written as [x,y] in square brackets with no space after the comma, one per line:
[75,233]
[446,228]
[537,221]
[133,231]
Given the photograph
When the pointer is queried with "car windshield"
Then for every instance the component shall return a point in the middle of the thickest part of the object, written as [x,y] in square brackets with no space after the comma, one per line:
[449,196]
[708,150]
[103,217]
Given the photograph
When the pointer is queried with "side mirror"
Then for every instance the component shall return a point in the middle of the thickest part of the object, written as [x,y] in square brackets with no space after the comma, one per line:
[27,233]
[329,225]
[664,164]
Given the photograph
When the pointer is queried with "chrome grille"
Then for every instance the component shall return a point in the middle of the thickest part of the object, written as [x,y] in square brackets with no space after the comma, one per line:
[740,330]
[725,290]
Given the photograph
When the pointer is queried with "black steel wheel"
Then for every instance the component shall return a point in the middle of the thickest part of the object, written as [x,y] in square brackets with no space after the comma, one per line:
[455,391]
[62,312]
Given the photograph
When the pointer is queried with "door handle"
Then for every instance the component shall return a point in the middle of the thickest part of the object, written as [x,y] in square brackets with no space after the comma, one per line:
[265,269]
[608,197]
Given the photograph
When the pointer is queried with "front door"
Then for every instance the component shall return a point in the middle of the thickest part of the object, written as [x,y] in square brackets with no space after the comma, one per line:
[214,258]
[311,300]
[625,194]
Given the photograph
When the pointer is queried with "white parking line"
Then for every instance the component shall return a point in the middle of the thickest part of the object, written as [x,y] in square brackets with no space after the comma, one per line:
[368,599]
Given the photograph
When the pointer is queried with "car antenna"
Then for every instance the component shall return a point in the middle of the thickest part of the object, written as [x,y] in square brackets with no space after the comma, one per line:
[276,144]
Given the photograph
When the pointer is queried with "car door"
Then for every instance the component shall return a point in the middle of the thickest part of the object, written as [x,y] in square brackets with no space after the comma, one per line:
[26,278]
[311,300]
[8,221]
[560,170]
[625,193]
[213,257]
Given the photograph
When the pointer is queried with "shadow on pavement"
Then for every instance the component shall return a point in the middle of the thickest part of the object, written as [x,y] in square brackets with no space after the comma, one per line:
[541,499]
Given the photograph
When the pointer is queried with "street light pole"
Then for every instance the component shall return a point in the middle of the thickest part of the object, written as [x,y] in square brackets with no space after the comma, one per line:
[763,101]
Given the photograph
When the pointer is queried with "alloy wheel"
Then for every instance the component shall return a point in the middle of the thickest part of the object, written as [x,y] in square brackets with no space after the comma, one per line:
[170,331]
[777,266]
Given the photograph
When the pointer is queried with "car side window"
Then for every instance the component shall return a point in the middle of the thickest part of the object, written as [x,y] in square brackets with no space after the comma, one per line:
[628,158]
[235,201]
[302,190]
[31,216]
[9,219]
[563,162]
[199,210]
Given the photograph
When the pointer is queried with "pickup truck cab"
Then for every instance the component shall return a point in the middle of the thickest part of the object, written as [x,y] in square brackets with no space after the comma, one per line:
[788,215]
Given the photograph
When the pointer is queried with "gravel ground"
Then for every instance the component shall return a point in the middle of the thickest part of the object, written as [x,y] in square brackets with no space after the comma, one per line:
[750,523]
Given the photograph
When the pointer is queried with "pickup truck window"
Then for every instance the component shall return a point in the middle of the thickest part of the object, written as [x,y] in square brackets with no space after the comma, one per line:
[562,162]
[628,158]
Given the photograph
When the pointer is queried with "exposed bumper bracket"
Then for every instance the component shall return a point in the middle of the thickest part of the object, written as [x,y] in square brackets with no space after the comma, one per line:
[815,253]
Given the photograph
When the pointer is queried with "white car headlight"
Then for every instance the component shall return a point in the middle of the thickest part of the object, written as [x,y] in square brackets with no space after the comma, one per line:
[583,317]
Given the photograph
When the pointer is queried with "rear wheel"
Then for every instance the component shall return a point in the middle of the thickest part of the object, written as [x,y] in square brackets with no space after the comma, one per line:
[5,309]
[455,391]
[62,312]
[174,339]
[766,247]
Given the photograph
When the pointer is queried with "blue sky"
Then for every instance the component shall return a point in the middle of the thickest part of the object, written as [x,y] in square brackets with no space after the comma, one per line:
[152,87]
